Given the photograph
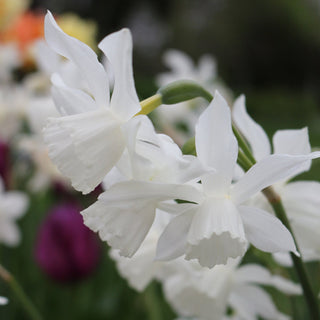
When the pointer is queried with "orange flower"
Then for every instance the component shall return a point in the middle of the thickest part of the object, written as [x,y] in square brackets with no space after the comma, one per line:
[27,28]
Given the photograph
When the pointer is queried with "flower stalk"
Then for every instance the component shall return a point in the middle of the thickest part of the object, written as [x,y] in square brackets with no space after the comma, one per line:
[29,307]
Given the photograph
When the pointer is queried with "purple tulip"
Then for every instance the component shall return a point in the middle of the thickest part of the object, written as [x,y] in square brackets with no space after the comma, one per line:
[66,250]
[4,162]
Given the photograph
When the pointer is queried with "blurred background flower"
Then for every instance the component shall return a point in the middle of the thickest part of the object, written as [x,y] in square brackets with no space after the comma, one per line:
[66,250]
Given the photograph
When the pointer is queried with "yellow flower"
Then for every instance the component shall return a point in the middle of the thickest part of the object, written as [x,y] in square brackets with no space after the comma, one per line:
[84,30]
[10,9]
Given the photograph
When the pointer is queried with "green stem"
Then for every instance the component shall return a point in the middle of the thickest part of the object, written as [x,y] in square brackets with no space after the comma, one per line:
[20,294]
[311,300]
[243,145]
[243,161]
[152,302]
[150,104]
[183,90]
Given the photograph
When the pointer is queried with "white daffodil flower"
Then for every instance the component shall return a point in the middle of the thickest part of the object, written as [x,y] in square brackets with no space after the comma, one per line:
[219,226]
[13,205]
[151,170]
[300,198]
[205,293]
[87,141]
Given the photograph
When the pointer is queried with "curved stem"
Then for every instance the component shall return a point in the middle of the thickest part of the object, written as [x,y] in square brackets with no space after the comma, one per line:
[150,104]
[20,294]
[276,203]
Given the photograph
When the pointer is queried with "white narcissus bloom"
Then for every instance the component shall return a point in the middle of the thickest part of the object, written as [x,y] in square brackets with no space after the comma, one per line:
[151,170]
[13,205]
[219,226]
[300,198]
[205,293]
[87,141]
[183,68]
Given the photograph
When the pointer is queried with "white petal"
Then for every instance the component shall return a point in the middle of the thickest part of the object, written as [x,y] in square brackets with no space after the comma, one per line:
[294,142]
[250,129]
[114,176]
[13,204]
[9,233]
[140,269]
[178,61]
[118,49]
[302,198]
[47,60]
[82,56]
[251,301]
[265,231]
[123,225]
[215,143]
[85,146]
[216,233]
[142,190]
[254,273]
[3,301]
[207,68]
[268,171]
[173,241]
[198,292]
[124,214]
[70,101]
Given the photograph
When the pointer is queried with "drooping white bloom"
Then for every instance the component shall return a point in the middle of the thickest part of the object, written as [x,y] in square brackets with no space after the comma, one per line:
[151,170]
[13,205]
[87,141]
[205,293]
[300,198]
[219,226]
[181,67]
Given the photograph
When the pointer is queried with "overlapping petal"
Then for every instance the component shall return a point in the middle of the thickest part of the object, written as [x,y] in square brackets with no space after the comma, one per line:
[215,143]
[118,49]
[266,172]
[251,130]
[82,56]
[265,231]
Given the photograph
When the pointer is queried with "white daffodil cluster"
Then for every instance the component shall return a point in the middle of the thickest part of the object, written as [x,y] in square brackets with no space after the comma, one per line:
[182,219]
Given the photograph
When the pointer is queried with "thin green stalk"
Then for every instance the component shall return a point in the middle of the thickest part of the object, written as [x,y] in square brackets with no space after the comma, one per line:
[243,145]
[312,302]
[20,294]
[152,303]
[243,161]
[150,104]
